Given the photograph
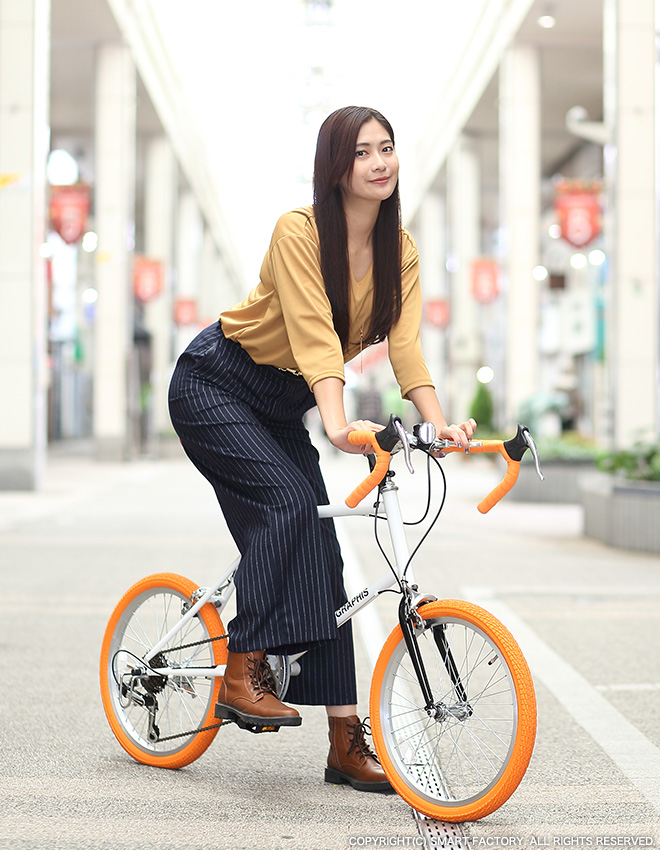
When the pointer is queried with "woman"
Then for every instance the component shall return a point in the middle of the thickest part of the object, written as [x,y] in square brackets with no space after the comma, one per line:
[338,276]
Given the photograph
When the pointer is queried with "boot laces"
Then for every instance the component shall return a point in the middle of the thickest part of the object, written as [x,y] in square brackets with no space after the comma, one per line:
[359,744]
[261,676]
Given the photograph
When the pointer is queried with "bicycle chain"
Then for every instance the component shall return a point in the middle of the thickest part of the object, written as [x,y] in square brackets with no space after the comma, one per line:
[196,643]
[192,732]
[204,728]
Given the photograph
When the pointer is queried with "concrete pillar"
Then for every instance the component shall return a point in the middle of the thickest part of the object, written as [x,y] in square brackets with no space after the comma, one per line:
[632,310]
[520,193]
[189,263]
[463,201]
[212,297]
[159,218]
[24,139]
[114,193]
[431,239]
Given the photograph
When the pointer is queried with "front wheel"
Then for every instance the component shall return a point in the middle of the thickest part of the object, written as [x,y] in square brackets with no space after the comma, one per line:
[467,759]
[164,721]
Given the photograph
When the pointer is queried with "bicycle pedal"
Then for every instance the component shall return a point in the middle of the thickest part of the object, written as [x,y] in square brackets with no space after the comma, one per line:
[222,712]
[251,727]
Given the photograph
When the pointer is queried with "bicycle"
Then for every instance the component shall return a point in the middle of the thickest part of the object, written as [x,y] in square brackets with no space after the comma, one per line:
[452,701]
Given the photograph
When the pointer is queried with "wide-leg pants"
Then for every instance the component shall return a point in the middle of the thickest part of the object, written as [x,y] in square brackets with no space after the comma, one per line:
[241,425]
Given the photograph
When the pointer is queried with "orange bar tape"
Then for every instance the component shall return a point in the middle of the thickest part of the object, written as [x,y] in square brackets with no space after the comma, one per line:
[510,477]
[358,438]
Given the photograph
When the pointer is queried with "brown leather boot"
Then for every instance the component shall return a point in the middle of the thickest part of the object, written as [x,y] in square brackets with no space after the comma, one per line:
[351,759]
[248,695]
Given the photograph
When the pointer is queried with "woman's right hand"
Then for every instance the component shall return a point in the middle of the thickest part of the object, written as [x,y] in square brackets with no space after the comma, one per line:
[339,438]
[329,395]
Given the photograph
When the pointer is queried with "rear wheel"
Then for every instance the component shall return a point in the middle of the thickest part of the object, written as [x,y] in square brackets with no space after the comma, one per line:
[164,721]
[469,758]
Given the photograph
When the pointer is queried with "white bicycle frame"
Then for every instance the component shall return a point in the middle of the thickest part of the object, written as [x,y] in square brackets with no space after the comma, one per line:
[389,508]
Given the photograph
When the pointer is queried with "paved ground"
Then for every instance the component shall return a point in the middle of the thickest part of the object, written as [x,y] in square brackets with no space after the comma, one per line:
[586,616]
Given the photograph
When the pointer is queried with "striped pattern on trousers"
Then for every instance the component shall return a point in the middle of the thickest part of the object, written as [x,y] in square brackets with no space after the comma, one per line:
[241,425]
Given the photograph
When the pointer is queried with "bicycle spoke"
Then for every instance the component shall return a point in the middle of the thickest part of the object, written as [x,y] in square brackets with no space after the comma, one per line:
[460,752]
[182,702]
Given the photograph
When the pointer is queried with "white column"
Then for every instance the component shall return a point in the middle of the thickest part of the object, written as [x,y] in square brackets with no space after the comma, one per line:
[432,244]
[632,316]
[210,295]
[24,139]
[114,194]
[189,252]
[520,191]
[159,218]
[463,200]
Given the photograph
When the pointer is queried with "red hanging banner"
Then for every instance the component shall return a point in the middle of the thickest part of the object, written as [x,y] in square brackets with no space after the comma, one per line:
[185,311]
[148,278]
[436,312]
[69,208]
[485,275]
[578,209]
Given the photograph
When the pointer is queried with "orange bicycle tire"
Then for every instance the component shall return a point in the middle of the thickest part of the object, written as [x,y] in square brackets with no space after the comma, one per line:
[207,624]
[428,763]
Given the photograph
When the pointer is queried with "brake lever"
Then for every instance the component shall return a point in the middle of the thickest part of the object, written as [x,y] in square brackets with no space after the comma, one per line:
[532,447]
[403,437]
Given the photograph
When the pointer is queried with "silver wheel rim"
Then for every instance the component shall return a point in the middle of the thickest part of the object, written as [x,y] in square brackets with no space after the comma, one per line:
[455,760]
[183,702]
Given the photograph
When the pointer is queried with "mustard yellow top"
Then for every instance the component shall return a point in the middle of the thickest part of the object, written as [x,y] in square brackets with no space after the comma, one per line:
[286,320]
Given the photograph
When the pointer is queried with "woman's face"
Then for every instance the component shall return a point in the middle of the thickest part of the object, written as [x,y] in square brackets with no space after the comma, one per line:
[376,167]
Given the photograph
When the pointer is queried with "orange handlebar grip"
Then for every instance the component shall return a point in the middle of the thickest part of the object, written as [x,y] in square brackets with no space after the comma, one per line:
[512,470]
[510,478]
[376,475]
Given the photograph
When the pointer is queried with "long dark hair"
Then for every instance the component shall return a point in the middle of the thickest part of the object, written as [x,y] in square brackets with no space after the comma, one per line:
[335,157]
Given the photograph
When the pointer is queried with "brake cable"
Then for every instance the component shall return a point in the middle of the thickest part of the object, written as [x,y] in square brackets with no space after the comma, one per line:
[416,522]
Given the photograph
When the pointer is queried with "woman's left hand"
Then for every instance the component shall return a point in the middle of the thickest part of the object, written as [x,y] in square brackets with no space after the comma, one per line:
[460,434]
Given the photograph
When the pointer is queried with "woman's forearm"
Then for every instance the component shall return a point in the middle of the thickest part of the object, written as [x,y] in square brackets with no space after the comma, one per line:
[329,395]
[428,406]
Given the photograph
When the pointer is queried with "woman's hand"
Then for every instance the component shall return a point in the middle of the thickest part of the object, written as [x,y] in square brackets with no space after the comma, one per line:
[329,395]
[339,438]
[460,434]
[428,406]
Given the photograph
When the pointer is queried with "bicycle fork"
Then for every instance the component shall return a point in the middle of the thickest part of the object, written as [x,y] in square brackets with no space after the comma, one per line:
[409,620]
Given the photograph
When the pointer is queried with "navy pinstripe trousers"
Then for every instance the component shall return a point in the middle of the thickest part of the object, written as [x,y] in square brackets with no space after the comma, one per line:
[241,424]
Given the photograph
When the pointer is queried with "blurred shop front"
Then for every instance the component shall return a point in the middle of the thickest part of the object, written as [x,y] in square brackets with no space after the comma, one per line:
[533,195]
[536,215]
[110,232]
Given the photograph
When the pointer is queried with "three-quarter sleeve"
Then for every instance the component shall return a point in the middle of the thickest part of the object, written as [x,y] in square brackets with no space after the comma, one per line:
[404,341]
[295,269]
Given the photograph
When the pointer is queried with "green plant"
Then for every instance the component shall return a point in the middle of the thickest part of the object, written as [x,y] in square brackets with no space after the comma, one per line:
[482,408]
[570,446]
[640,462]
